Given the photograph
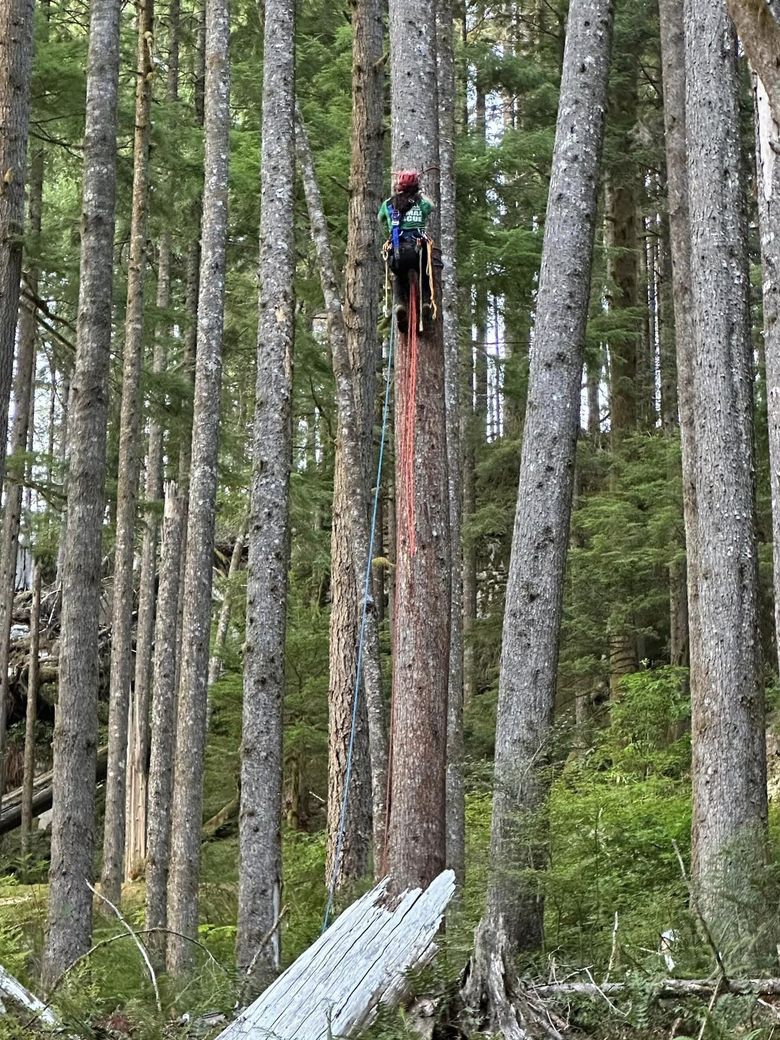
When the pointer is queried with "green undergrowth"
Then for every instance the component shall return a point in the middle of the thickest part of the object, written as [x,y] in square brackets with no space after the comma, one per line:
[619,824]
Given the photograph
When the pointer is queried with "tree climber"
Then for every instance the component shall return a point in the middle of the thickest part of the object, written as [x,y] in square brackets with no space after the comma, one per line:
[408,251]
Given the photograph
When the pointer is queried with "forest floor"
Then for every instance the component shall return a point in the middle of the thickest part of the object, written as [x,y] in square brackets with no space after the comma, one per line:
[613,886]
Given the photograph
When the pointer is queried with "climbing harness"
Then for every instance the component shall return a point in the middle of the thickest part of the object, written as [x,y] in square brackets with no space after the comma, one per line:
[361,638]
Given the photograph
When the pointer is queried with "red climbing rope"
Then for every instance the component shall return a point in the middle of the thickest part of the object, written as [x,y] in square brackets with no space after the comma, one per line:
[409,397]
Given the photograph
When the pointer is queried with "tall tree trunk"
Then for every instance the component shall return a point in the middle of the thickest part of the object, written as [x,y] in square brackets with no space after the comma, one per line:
[220,636]
[163,727]
[16,53]
[529,653]
[31,712]
[196,594]
[349,843]
[361,291]
[768,137]
[673,69]
[456,807]
[416,845]
[138,750]
[138,719]
[75,736]
[127,479]
[24,385]
[260,866]
[729,754]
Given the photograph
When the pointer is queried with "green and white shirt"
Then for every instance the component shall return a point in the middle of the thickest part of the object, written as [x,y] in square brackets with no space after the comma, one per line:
[414,219]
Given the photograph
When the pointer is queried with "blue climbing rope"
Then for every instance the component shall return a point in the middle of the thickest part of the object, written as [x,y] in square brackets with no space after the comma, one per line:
[362,636]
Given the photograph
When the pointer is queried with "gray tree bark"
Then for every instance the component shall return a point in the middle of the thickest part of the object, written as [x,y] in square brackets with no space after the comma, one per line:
[75,736]
[767,139]
[352,552]
[269,535]
[220,636]
[759,31]
[163,729]
[529,653]
[128,473]
[361,290]
[416,844]
[31,711]
[16,53]
[456,805]
[196,620]
[729,755]
[138,750]
[24,382]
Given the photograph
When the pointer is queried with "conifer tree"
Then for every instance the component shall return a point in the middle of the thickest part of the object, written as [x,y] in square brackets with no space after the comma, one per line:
[259,897]
[531,630]
[128,473]
[75,738]
[196,593]
[416,842]
[16,52]
[727,733]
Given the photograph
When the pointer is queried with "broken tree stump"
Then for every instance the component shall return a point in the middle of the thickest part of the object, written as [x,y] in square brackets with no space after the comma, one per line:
[362,961]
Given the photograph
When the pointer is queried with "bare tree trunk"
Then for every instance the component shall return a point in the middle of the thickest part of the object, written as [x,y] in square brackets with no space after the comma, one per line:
[529,653]
[196,620]
[417,833]
[220,636]
[31,712]
[163,727]
[75,736]
[138,720]
[729,753]
[138,750]
[351,535]
[24,384]
[16,53]
[361,291]
[127,478]
[767,138]
[456,805]
[259,896]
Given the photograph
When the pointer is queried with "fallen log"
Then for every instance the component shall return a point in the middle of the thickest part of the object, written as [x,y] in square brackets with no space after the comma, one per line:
[336,986]
[663,988]
[43,796]
[18,995]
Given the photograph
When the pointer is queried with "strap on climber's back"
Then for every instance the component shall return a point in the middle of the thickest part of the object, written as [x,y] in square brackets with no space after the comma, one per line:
[395,227]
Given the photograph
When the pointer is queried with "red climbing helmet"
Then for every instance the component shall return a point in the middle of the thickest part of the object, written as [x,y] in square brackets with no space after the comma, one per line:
[406,180]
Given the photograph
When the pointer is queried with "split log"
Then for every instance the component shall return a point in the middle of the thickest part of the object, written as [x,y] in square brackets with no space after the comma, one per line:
[362,961]
[18,995]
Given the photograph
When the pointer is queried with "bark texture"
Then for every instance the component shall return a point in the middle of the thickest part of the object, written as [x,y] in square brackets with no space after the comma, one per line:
[758,28]
[417,818]
[259,897]
[456,806]
[729,755]
[128,473]
[24,382]
[347,857]
[196,594]
[163,728]
[220,636]
[360,356]
[768,138]
[529,654]
[31,712]
[16,53]
[75,735]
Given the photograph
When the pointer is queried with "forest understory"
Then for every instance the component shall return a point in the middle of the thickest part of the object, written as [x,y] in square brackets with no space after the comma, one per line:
[342,543]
